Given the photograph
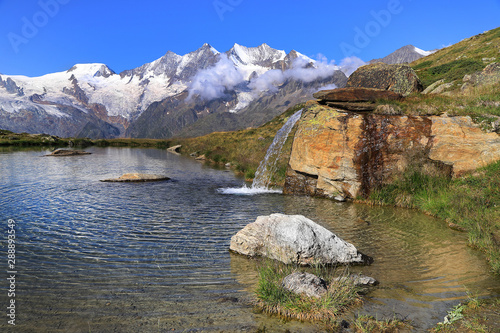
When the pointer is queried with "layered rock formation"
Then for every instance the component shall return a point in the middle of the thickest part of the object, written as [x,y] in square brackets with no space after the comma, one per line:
[355,99]
[342,154]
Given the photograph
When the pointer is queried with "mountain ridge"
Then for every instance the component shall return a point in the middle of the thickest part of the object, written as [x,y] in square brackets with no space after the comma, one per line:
[174,90]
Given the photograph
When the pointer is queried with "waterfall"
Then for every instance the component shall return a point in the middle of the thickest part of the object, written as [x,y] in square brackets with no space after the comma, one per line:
[268,165]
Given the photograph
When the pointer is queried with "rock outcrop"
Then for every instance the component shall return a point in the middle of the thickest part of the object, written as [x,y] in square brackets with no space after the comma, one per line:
[398,78]
[305,284]
[345,155]
[136,177]
[294,239]
[489,75]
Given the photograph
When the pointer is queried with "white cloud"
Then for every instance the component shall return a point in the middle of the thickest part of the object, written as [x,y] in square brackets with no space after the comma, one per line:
[212,83]
[224,76]
[350,64]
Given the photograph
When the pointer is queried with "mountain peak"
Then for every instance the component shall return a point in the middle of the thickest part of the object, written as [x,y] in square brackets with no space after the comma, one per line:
[405,54]
[93,69]
[262,55]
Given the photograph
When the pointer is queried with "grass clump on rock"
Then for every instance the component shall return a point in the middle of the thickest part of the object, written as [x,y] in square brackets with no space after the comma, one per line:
[273,298]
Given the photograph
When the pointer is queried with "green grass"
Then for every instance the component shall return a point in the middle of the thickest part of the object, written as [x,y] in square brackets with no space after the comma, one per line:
[474,315]
[471,203]
[481,104]
[274,299]
[451,71]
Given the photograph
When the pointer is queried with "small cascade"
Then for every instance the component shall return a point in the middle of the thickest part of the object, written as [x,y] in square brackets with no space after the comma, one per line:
[267,167]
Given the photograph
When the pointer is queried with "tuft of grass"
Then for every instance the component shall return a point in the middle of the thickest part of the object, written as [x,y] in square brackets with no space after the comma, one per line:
[272,298]
[474,315]
[369,324]
[471,202]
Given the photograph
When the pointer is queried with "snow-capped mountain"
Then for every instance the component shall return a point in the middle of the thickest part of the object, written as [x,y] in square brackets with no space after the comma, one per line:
[405,54]
[173,91]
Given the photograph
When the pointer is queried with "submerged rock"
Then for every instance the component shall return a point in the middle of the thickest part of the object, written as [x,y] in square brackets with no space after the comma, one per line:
[305,283]
[358,280]
[136,177]
[294,239]
[67,152]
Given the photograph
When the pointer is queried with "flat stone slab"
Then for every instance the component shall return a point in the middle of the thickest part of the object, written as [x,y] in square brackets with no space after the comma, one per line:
[136,177]
[356,95]
[67,152]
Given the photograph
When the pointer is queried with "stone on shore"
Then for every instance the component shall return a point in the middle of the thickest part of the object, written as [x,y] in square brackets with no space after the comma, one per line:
[305,283]
[294,239]
[136,177]
[174,149]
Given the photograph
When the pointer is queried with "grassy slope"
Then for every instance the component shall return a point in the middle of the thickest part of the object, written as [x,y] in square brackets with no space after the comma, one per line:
[453,62]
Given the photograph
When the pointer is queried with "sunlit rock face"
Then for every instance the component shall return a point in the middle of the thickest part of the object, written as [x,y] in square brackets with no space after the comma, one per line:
[340,154]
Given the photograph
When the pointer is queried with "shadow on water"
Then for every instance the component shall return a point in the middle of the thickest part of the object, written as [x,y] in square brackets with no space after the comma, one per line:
[153,257]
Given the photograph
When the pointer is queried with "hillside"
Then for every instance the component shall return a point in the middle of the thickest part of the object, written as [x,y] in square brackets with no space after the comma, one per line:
[466,57]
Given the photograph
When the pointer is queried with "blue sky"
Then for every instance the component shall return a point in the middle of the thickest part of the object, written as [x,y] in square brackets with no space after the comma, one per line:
[43,36]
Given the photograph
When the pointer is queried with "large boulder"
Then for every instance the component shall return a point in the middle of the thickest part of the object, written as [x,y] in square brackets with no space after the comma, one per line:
[294,239]
[399,78]
[305,283]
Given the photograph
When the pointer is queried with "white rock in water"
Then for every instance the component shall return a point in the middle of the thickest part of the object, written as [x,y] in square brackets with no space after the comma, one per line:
[294,239]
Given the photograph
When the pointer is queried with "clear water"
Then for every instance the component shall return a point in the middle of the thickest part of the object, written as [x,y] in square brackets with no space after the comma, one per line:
[153,257]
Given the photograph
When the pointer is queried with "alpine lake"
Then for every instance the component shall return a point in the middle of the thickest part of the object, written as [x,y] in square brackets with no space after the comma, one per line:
[154,257]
